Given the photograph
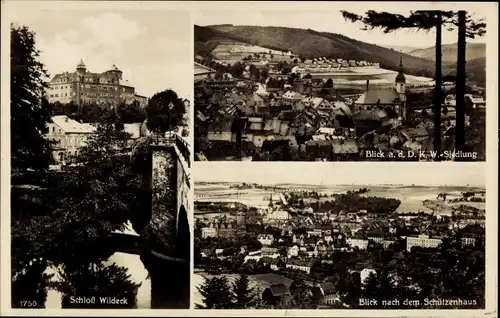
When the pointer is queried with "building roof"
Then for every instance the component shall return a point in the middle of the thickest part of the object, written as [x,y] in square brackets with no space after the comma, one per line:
[81,64]
[379,96]
[69,125]
[200,69]
[347,146]
[278,290]
[223,126]
[367,115]
[312,101]
[328,288]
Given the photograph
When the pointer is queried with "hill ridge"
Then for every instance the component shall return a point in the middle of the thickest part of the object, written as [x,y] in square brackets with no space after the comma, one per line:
[310,44]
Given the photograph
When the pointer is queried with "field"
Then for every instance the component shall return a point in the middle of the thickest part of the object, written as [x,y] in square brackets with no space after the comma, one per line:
[412,197]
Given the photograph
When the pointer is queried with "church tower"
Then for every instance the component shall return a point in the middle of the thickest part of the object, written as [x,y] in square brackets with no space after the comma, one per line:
[401,88]
[271,206]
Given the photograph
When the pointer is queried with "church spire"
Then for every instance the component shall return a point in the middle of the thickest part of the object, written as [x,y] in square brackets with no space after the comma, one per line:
[400,78]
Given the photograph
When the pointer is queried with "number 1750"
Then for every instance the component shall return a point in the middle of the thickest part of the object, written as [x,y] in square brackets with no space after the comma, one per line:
[28,303]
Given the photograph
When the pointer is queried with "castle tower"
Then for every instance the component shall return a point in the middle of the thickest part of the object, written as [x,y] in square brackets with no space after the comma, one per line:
[81,69]
[401,88]
[117,72]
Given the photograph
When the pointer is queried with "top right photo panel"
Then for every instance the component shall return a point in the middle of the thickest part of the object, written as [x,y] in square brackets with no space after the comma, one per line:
[340,85]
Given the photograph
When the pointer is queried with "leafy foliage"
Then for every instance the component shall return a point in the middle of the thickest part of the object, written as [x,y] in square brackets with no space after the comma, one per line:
[30,284]
[29,109]
[165,111]
[97,280]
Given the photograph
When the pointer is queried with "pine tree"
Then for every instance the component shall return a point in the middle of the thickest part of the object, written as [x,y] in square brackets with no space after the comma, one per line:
[216,293]
[29,110]
[243,294]
[427,20]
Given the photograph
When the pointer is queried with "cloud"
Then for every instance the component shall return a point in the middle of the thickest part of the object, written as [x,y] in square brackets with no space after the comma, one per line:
[105,34]
[154,78]
[112,29]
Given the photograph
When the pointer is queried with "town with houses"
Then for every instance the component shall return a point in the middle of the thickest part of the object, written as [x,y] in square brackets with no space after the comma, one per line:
[306,235]
[263,105]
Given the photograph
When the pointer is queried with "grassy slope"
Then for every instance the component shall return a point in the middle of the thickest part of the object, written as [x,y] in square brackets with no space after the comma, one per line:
[474,51]
[310,43]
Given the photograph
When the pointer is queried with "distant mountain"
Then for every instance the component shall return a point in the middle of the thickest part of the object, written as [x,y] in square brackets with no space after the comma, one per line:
[309,44]
[474,51]
[403,49]
[475,70]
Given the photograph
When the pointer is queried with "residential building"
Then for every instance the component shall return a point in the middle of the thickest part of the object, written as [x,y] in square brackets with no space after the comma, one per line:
[299,264]
[275,293]
[69,135]
[325,293]
[422,241]
[269,252]
[266,239]
[365,274]
[360,243]
[293,251]
[209,232]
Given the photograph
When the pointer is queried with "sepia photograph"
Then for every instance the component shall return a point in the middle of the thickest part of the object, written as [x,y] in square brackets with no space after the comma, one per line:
[100,158]
[340,85]
[339,237]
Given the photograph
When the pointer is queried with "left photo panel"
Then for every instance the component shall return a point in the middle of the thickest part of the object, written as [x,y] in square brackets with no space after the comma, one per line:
[100,148]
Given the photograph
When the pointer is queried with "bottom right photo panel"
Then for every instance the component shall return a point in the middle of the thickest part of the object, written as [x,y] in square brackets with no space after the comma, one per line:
[339,236]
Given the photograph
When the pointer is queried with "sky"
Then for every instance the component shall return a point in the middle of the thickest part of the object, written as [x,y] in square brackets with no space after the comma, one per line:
[151,47]
[328,18]
[377,173]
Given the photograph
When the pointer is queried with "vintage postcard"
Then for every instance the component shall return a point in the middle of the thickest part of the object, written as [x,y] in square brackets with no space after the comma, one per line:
[339,237]
[238,158]
[100,157]
[340,85]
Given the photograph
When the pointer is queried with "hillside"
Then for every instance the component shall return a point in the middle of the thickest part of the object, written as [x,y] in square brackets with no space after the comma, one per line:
[475,69]
[206,39]
[309,43]
[474,51]
[404,49]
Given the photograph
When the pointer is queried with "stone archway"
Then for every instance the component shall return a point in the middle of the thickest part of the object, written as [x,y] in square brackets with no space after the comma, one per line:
[183,236]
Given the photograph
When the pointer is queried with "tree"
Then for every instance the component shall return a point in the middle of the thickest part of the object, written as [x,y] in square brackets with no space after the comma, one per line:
[216,293]
[97,280]
[301,295]
[426,20]
[165,111]
[101,187]
[29,110]
[243,294]
[131,113]
[329,83]
[30,283]
[466,28]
